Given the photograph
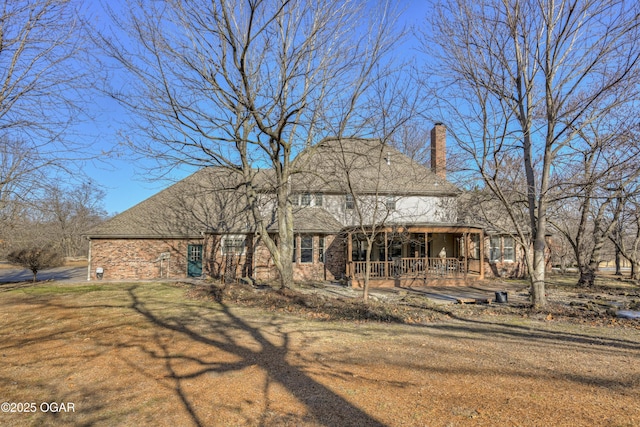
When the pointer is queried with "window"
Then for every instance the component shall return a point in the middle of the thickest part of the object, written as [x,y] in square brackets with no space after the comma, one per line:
[475,246]
[319,199]
[349,203]
[306,249]
[391,203]
[321,250]
[195,253]
[294,257]
[295,199]
[232,245]
[508,249]
[305,199]
[494,248]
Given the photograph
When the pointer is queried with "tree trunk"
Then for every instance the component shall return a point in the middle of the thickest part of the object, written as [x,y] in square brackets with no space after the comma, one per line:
[367,271]
[635,269]
[587,277]
[286,275]
[538,293]
[285,244]
[618,262]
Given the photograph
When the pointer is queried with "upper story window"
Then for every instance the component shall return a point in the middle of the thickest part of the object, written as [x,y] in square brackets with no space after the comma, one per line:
[349,202]
[306,199]
[391,203]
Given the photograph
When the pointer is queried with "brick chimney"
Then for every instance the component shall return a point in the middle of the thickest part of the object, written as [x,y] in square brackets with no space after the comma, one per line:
[439,150]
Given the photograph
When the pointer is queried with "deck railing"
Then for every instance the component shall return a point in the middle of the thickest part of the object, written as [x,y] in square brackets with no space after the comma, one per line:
[410,267]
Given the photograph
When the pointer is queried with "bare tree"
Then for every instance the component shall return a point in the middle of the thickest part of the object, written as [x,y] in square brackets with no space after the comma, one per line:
[70,212]
[628,243]
[41,77]
[246,85]
[584,198]
[521,79]
[370,209]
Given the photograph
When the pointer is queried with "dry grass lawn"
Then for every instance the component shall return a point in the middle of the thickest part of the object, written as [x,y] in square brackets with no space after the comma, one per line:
[145,354]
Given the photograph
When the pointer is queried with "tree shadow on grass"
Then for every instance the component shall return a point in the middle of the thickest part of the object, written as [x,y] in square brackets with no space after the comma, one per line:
[526,332]
[323,405]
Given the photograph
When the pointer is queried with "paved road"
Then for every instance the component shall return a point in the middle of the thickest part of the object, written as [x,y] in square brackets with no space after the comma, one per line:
[63,274]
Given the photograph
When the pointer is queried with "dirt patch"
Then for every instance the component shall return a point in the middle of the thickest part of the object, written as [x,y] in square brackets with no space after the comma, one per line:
[147,354]
[596,306]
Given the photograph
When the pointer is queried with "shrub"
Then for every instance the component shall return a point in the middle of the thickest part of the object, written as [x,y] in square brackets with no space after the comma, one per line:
[36,259]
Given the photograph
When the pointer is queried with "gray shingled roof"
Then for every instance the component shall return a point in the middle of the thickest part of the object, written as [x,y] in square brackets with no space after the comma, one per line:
[313,220]
[206,201]
[210,199]
[371,168]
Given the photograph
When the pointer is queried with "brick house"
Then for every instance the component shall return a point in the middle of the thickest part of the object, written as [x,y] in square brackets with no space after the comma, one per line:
[504,254]
[342,192]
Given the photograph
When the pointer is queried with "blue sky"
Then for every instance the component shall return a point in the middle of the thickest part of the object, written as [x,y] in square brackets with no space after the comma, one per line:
[122,177]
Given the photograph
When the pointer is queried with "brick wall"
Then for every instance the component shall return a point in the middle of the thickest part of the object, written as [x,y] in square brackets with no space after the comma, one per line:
[332,269]
[232,266]
[510,269]
[124,259]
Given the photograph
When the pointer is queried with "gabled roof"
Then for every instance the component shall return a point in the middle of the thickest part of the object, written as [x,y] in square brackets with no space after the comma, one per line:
[205,201]
[212,200]
[367,166]
[313,220]
[483,208]
[209,201]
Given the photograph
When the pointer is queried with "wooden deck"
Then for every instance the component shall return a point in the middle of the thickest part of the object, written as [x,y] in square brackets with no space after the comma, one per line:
[413,272]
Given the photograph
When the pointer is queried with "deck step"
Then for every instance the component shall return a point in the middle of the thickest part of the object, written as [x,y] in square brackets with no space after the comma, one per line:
[473,300]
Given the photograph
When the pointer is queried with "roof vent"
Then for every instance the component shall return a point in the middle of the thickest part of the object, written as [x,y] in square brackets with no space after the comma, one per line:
[388,158]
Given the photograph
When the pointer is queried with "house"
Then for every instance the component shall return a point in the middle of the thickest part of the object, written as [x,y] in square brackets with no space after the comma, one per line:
[342,191]
[504,248]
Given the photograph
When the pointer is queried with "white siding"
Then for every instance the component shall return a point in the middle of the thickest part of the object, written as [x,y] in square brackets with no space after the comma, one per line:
[409,209]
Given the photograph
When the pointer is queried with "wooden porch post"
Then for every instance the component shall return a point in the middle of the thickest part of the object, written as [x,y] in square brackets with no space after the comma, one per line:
[466,252]
[386,255]
[426,254]
[349,254]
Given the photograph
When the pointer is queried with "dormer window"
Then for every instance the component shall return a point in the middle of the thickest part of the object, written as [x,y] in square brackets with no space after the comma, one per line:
[305,199]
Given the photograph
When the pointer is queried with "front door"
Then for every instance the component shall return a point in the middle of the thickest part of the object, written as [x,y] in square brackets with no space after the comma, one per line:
[194,259]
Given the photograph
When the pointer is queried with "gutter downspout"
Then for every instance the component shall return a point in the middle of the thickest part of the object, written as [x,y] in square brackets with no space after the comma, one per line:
[89,262]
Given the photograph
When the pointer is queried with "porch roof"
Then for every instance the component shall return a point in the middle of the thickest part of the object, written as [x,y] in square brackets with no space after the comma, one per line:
[427,227]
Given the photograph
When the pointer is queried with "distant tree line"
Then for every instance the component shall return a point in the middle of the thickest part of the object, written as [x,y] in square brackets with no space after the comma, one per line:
[55,218]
